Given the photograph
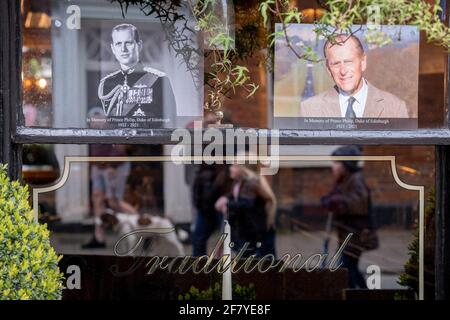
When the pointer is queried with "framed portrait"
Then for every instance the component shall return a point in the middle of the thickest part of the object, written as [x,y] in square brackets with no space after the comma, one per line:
[124,70]
[364,79]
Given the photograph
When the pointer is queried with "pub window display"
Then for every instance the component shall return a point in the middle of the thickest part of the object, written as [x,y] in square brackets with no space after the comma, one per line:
[355,84]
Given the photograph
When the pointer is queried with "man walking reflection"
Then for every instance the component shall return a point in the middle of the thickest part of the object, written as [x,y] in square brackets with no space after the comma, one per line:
[350,202]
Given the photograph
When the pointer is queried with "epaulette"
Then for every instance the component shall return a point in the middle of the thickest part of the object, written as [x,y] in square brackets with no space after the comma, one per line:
[154,71]
[110,75]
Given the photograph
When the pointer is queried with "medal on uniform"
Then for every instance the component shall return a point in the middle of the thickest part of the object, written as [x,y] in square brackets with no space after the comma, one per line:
[140,94]
[124,92]
[123,97]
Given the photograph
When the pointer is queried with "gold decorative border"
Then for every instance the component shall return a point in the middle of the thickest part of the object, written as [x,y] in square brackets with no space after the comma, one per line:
[189,159]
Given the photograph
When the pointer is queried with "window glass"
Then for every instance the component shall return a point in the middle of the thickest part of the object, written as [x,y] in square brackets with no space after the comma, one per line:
[87,66]
[103,200]
[66,54]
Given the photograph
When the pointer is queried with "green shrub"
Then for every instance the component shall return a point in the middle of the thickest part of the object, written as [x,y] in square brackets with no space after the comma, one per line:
[28,264]
[410,277]
[215,293]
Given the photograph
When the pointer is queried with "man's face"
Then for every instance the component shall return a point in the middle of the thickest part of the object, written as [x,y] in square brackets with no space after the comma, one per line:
[346,64]
[125,48]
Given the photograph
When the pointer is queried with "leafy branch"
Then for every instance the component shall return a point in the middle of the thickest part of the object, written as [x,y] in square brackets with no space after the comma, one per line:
[283,13]
[426,16]
[338,16]
[224,75]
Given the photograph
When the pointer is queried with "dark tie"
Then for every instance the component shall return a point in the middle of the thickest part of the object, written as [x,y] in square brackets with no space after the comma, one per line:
[350,113]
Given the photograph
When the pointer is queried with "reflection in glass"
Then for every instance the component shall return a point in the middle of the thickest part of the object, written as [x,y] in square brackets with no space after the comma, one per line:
[186,197]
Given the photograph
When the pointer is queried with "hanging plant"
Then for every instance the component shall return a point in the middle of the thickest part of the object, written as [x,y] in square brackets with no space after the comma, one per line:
[224,75]
[340,15]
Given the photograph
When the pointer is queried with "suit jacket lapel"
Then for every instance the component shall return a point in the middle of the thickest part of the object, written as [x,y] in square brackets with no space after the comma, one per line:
[374,103]
[331,105]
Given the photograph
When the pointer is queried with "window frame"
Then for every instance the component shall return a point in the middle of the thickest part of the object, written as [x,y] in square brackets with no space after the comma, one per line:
[14,134]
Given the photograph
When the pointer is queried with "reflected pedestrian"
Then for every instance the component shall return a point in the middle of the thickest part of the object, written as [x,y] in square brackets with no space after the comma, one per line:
[350,203]
[251,208]
[108,183]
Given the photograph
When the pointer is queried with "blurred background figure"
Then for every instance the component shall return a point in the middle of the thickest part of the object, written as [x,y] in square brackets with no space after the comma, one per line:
[211,182]
[350,203]
[108,182]
[208,183]
[250,208]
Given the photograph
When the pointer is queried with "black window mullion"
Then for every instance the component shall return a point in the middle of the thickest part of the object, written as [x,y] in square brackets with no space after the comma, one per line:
[10,84]
[286,137]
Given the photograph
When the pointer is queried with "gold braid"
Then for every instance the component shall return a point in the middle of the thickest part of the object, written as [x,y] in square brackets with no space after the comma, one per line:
[113,95]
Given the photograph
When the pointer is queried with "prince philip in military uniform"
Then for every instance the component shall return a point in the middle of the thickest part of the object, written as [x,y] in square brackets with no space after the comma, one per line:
[135,90]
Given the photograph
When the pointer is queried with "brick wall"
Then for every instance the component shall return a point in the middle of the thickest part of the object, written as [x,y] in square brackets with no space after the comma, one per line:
[415,165]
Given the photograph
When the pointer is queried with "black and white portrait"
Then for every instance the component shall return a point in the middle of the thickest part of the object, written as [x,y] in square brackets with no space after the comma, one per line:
[134,90]
[141,81]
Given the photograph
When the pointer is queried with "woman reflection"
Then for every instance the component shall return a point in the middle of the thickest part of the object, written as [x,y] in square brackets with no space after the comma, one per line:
[251,208]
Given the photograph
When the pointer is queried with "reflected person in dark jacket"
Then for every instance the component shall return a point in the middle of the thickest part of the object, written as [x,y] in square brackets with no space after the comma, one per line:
[250,208]
[349,201]
[211,182]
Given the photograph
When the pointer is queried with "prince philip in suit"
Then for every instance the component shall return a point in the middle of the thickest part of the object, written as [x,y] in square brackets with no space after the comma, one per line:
[352,96]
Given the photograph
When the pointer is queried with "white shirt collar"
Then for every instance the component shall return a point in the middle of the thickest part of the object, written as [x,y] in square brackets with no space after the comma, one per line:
[360,103]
